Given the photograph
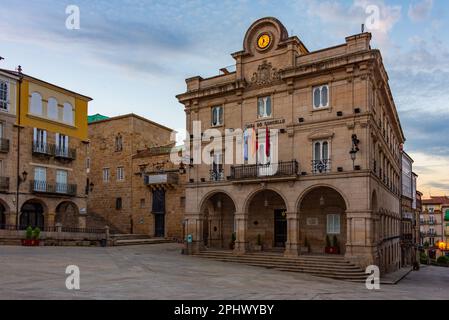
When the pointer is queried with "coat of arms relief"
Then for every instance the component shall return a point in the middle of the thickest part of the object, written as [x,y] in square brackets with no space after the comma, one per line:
[265,74]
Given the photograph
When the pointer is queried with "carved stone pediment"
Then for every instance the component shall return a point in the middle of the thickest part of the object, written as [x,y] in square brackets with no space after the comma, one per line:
[265,74]
[320,135]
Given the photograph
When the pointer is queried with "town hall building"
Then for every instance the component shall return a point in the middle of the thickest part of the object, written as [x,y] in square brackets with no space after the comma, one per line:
[333,186]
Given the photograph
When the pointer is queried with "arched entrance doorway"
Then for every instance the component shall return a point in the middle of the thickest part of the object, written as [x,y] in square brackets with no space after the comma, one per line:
[2,216]
[218,221]
[67,214]
[32,214]
[322,220]
[267,221]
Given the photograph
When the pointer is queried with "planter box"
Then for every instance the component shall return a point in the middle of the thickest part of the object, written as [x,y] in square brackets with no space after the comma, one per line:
[331,250]
[30,243]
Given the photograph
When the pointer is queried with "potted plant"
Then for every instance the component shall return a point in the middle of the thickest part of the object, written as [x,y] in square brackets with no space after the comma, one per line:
[28,237]
[306,247]
[36,234]
[331,248]
[258,246]
[233,239]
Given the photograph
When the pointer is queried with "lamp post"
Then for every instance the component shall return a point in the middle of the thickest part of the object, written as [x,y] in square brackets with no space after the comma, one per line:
[19,115]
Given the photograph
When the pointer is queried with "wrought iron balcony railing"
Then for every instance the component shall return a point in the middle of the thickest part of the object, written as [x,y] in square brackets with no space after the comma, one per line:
[58,188]
[407,237]
[254,171]
[65,153]
[43,148]
[321,166]
[4,183]
[430,234]
[217,175]
[4,145]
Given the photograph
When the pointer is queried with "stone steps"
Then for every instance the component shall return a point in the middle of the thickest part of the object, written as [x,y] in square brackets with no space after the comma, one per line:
[335,267]
[122,236]
[140,241]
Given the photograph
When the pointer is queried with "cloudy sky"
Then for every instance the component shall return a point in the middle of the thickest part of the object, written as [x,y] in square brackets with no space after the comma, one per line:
[133,55]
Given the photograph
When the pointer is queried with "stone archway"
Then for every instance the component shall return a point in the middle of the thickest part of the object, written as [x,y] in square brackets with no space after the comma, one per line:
[322,219]
[32,214]
[217,212]
[67,214]
[267,220]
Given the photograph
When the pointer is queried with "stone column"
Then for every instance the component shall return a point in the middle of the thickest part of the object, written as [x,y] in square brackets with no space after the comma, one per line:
[50,219]
[241,242]
[194,227]
[11,218]
[292,246]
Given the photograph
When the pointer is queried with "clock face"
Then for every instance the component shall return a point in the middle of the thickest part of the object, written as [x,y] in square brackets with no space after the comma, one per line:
[263,41]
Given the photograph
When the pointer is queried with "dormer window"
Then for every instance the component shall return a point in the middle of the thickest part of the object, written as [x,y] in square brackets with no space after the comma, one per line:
[321,97]
[264,109]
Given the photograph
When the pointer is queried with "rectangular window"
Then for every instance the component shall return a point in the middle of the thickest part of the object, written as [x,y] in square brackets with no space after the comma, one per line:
[333,224]
[2,125]
[62,145]
[120,173]
[264,109]
[3,96]
[88,163]
[40,179]
[217,172]
[321,157]
[217,116]
[321,97]
[1,168]
[142,203]
[61,181]
[106,175]
[40,140]
[118,203]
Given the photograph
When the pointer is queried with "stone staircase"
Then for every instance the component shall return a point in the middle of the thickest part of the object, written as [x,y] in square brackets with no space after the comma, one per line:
[136,239]
[96,221]
[329,266]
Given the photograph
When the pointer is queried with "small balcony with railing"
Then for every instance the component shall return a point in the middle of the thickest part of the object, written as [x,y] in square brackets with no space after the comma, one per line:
[321,166]
[431,234]
[288,169]
[44,187]
[4,184]
[217,175]
[4,145]
[43,149]
[161,179]
[65,153]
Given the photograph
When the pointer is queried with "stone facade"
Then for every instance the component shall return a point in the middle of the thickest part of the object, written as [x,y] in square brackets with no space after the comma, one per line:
[434,220]
[165,175]
[47,178]
[113,143]
[323,104]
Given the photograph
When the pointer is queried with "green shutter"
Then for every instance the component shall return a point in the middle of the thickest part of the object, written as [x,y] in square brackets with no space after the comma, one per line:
[446,216]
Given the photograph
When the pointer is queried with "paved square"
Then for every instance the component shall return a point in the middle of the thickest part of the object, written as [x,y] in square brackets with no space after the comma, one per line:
[161,272]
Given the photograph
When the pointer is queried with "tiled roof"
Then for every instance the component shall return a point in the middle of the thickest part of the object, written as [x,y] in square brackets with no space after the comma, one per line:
[436,200]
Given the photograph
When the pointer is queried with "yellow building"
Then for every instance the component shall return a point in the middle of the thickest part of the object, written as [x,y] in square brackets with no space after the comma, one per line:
[45,165]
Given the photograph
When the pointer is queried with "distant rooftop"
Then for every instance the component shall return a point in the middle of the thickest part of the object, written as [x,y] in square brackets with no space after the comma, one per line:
[96,117]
